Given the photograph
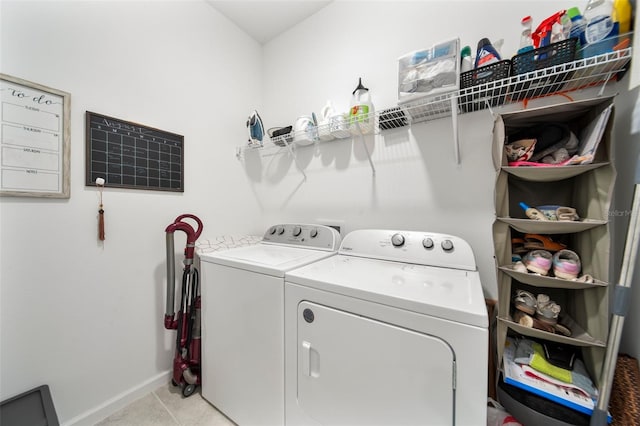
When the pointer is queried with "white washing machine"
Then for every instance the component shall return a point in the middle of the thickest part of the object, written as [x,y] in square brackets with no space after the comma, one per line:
[391,331]
[242,295]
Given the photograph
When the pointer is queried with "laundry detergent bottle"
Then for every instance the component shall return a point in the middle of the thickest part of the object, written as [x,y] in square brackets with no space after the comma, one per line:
[487,54]
[599,20]
[361,113]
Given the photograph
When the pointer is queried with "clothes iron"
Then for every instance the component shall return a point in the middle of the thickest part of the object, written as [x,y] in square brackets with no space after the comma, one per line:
[256,129]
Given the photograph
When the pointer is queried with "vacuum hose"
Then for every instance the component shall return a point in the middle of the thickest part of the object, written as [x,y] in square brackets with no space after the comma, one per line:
[192,235]
[169,323]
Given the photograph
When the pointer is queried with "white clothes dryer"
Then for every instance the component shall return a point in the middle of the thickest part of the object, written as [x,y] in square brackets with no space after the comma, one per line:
[391,331]
[242,295]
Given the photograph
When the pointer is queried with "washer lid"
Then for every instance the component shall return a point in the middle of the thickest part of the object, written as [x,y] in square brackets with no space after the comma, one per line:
[451,294]
[270,259]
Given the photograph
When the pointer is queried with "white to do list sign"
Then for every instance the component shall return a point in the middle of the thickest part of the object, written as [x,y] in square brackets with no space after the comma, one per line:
[34,154]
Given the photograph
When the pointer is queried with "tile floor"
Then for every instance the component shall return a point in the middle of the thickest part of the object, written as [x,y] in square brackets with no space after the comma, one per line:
[167,407]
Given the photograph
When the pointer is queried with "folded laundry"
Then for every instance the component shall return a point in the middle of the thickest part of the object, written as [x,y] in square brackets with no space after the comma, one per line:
[532,354]
[549,138]
[520,150]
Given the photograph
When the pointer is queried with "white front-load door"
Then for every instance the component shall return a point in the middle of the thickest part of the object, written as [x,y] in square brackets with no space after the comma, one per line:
[354,370]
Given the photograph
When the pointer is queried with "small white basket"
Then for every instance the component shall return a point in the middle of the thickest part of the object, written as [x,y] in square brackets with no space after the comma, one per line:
[430,71]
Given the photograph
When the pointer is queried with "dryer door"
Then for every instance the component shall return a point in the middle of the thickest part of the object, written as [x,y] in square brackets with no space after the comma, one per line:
[354,370]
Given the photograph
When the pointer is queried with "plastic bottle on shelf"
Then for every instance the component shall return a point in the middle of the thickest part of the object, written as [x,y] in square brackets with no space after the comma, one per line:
[486,53]
[465,62]
[526,43]
[361,116]
[598,15]
[565,20]
[578,25]
[622,15]
[557,32]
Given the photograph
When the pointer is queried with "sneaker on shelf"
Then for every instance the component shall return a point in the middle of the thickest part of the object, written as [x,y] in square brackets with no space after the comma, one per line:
[538,261]
[566,264]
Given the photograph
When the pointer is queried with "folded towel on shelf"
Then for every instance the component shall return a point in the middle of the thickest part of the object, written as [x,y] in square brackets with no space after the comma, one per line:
[532,354]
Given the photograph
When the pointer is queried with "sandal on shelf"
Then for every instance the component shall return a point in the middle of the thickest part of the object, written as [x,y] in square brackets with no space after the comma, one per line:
[547,310]
[517,246]
[541,325]
[538,261]
[562,329]
[566,265]
[567,214]
[525,302]
[542,242]
[523,319]
[528,321]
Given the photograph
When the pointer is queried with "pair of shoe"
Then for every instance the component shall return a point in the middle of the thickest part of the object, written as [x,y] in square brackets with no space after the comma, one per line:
[538,312]
[566,263]
[541,306]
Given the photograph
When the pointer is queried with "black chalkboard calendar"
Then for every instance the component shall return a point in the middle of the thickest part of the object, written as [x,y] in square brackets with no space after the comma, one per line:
[130,155]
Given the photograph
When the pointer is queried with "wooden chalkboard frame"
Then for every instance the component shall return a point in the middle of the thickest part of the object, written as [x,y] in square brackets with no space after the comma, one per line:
[131,155]
[36,139]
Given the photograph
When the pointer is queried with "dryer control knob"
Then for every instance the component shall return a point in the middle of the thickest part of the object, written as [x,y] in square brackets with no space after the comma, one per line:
[427,243]
[447,245]
[280,230]
[297,231]
[314,233]
[272,230]
[397,240]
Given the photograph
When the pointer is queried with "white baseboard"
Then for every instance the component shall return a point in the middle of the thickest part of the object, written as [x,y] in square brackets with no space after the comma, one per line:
[104,410]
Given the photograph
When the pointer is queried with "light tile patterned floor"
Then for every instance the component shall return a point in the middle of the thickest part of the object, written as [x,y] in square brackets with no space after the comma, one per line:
[167,407]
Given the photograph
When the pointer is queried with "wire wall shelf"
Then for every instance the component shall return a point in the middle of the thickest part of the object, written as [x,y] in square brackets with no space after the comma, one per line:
[558,79]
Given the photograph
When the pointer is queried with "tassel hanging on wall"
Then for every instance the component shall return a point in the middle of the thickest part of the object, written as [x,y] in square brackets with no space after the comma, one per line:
[100,185]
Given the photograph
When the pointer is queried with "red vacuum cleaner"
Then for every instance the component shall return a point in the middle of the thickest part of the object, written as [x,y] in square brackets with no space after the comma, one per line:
[186,362]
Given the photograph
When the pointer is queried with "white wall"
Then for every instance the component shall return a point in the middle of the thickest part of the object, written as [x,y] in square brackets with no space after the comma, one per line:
[87,318]
[417,184]
[83,316]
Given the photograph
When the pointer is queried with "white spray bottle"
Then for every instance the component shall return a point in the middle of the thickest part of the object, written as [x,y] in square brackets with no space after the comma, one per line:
[361,114]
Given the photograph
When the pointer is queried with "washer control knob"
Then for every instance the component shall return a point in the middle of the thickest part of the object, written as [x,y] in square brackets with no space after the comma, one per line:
[397,240]
[272,230]
[447,245]
[297,231]
[314,233]
[427,243]
[280,230]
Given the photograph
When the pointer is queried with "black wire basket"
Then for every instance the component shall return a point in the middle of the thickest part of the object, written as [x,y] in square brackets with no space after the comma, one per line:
[531,66]
[480,87]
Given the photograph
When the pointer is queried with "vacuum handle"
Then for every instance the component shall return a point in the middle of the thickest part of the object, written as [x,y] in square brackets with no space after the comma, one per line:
[169,321]
[198,231]
[192,236]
